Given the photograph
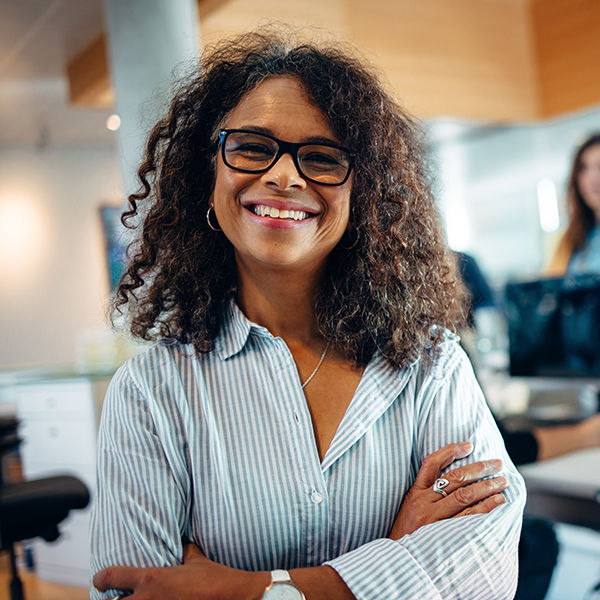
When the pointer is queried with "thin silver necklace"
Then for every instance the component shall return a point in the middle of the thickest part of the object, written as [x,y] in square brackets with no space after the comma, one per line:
[317,367]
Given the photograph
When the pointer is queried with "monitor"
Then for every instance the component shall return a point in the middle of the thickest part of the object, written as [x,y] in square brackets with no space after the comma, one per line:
[554,327]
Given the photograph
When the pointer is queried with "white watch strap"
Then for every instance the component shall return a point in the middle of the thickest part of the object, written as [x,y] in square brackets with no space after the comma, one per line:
[280,576]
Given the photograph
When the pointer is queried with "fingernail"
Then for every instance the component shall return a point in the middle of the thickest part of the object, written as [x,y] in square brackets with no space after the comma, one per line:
[466,446]
[499,499]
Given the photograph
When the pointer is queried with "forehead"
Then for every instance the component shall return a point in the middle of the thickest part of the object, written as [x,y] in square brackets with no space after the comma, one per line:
[280,104]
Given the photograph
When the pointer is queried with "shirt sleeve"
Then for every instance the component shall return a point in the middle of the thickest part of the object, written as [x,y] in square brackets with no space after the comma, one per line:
[470,557]
[142,505]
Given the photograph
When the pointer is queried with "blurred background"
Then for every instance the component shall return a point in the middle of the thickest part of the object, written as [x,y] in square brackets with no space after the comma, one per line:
[505,90]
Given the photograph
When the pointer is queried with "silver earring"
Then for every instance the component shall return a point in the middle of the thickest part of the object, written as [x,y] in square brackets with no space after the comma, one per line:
[208,220]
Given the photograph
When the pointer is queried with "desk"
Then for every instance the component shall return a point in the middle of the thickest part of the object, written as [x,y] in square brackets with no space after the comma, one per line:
[566,488]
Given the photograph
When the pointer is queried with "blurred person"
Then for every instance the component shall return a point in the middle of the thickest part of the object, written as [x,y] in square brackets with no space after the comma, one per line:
[305,406]
[538,546]
[539,443]
[578,251]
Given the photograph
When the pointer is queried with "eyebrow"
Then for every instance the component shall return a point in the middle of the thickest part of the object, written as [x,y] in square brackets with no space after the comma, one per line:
[315,139]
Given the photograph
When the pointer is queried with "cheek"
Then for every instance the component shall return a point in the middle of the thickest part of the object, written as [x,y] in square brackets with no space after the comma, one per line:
[345,210]
[224,191]
[584,182]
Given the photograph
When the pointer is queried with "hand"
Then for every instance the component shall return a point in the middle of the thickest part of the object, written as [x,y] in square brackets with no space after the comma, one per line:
[422,505]
[198,578]
[562,439]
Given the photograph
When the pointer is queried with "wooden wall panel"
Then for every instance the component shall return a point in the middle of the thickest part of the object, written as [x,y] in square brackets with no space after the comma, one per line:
[493,60]
[236,16]
[567,37]
[462,58]
[89,78]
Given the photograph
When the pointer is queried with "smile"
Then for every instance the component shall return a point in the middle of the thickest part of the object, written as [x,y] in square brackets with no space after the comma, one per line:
[269,211]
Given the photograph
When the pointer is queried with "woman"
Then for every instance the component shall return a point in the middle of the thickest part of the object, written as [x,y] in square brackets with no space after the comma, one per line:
[292,267]
[579,249]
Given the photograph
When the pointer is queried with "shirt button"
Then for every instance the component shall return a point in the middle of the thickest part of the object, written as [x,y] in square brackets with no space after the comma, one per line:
[296,416]
[316,497]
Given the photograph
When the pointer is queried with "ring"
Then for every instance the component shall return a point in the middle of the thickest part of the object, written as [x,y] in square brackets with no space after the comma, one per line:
[439,486]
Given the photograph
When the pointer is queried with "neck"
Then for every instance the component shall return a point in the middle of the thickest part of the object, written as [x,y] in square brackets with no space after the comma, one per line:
[282,300]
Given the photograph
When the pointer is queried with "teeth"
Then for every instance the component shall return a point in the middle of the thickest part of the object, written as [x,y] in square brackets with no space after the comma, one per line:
[269,211]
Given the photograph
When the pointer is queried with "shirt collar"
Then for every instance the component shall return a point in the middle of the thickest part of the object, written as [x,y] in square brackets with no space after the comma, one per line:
[235,331]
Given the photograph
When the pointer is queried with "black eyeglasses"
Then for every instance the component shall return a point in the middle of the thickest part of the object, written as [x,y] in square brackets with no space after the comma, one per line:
[251,152]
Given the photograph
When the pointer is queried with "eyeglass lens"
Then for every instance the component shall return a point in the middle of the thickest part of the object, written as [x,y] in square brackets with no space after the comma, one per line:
[254,152]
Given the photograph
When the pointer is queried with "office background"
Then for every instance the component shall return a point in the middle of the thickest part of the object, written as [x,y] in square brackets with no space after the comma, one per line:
[505,89]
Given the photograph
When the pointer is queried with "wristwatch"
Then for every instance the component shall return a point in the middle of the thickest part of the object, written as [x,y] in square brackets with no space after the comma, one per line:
[282,587]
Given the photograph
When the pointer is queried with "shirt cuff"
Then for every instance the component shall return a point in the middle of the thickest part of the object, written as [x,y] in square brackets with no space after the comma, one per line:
[381,569]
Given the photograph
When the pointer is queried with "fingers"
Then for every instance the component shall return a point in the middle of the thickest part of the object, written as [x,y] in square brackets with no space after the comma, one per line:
[436,462]
[470,497]
[116,578]
[468,486]
[462,476]
[133,578]
[484,507]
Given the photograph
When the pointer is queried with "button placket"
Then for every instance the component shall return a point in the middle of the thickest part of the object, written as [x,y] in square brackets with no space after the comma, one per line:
[314,512]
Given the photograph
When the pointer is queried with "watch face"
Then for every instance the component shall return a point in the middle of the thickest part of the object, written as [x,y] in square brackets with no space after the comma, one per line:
[283,591]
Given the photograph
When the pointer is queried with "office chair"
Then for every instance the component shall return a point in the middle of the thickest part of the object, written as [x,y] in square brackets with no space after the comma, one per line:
[32,508]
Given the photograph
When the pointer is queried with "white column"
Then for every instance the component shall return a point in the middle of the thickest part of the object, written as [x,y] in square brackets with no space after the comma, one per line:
[147,40]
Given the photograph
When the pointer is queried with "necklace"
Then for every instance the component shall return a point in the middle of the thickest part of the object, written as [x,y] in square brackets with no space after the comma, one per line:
[317,367]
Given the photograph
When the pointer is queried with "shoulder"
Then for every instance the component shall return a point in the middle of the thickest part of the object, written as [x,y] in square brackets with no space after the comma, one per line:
[155,363]
[444,367]
[446,358]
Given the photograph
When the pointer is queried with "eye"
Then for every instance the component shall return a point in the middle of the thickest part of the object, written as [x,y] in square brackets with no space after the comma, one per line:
[252,149]
[320,158]
[323,158]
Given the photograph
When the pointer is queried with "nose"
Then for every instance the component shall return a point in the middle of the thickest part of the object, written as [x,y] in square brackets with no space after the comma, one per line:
[284,174]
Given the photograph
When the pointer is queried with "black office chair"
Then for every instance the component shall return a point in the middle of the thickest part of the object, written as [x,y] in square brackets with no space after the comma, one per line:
[34,508]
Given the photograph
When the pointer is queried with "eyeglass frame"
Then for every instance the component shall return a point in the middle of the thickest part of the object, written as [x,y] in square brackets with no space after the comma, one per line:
[290,148]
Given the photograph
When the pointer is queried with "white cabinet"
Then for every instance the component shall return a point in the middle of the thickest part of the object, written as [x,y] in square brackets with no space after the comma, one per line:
[578,567]
[58,425]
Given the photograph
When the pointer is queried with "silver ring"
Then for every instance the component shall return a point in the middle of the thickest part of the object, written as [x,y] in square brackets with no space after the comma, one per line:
[439,486]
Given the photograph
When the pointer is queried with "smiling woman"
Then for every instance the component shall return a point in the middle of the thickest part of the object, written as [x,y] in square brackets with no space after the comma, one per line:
[306,393]
[250,203]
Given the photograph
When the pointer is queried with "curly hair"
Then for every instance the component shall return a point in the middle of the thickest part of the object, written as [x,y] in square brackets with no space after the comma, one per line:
[581,217]
[391,283]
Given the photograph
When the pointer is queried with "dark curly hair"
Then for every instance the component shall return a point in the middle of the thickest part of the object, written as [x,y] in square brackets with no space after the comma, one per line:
[389,280]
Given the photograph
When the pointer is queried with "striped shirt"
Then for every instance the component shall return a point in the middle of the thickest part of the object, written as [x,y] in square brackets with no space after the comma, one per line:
[219,449]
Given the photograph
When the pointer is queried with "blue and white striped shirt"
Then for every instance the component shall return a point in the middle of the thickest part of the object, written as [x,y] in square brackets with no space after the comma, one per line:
[219,449]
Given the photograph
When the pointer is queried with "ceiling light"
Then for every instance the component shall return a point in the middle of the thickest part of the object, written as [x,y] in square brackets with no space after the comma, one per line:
[548,205]
[113,122]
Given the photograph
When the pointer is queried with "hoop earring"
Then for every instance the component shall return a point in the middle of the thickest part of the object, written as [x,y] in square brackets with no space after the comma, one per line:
[353,243]
[208,220]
